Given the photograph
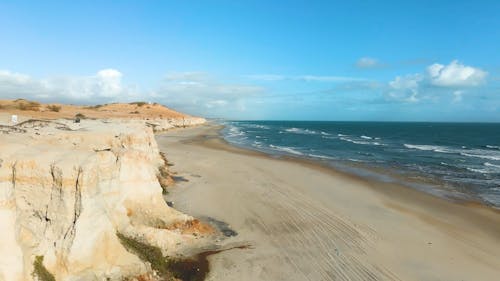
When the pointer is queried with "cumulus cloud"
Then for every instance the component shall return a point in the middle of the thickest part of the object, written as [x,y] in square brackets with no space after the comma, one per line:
[455,74]
[105,85]
[367,62]
[453,78]
[405,88]
[194,92]
[406,82]
[17,84]
[201,94]
[109,82]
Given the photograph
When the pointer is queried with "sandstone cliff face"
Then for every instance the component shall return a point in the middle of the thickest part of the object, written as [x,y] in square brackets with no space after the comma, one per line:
[67,189]
[159,125]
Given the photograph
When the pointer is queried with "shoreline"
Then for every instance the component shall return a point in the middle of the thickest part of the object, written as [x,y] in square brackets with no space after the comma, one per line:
[378,185]
[376,178]
[423,182]
[376,224]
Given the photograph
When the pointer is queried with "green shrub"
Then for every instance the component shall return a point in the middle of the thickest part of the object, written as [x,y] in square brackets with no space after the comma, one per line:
[40,271]
[53,107]
[97,106]
[146,252]
[138,103]
[29,105]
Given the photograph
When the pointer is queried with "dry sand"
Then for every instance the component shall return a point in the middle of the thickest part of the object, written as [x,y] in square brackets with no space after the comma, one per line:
[135,110]
[307,222]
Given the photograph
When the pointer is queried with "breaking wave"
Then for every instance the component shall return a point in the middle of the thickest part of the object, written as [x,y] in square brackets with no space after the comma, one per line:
[306,132]
[286,149]
[477,153]
[423,147]
[360,141]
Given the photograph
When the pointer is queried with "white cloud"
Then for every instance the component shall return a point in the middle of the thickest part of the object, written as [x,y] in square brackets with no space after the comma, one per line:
[215,103]
[406,82]
[199,93]
[438,79]
[307,78]
[105,85]
[457,96]
[13,85]
[193,92]
[405,88]
[11,77]
[455,74]
[367,62]
[109,82]
[328,78]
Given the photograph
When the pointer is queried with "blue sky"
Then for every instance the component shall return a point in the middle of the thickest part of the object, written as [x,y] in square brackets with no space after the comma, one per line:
[299,60]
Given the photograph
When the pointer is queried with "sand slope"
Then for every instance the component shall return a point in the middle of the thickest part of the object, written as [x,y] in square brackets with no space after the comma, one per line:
[134,110]
[310,223]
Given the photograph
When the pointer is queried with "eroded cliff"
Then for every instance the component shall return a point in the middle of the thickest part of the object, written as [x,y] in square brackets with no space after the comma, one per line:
[67,189]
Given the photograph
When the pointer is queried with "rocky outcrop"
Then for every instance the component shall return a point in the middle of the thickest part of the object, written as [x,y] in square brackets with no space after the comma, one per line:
[67,189]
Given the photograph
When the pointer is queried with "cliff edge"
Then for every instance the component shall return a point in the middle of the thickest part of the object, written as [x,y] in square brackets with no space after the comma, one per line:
[77,198]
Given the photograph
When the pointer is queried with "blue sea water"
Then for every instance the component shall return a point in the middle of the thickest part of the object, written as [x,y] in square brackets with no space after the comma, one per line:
[454,160]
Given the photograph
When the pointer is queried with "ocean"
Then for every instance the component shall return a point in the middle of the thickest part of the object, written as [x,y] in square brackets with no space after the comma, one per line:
[453,160]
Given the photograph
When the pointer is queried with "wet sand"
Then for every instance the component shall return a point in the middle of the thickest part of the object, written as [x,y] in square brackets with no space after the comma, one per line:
[308,222]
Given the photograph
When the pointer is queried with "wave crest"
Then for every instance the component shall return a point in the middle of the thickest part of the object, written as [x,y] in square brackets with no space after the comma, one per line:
[286,149]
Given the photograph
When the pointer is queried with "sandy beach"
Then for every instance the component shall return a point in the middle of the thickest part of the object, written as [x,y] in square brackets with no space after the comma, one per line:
[307,222]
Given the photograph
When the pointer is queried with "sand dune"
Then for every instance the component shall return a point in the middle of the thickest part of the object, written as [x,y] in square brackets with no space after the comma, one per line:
[132,110]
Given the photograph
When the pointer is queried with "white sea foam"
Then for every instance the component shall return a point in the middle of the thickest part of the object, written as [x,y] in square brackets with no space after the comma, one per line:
[355,160]
[354,141]
[477,153]
[257,126]
[360,142]
[491,165]
[435,148]
[492,168]
[481,155]
[366,137]
[487,169]
[301,131]
[234,132]
[481,171]
[493,146]
[257,144]
[320,156]
[286,149]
